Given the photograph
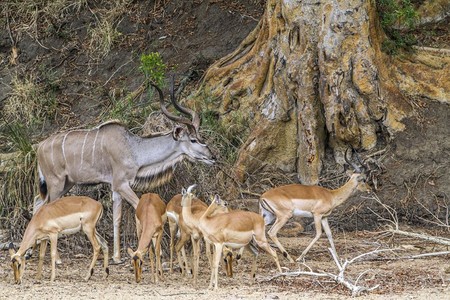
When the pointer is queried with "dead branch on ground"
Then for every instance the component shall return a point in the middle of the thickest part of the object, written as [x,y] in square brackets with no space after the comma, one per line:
[340,277]
[394,225]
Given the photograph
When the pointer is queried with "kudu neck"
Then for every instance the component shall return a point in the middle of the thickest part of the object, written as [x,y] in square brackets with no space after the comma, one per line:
[153,150]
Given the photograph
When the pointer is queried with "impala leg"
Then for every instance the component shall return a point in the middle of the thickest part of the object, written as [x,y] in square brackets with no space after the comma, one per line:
[317,223]
[254,251]
[172,230]
[152,263]
[187,268]
[53,248]
[90,233]
[217,256]
[42,249]
[208,251]
[211,278]
[105,251]
[159,271]
[326,228]
[195,257]
[261,240]
[180,245]
[272,233]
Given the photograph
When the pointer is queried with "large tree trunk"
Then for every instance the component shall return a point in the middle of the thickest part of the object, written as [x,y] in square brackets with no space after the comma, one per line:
[310,75]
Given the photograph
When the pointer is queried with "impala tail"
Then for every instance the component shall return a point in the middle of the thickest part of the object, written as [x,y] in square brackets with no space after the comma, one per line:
[266,211]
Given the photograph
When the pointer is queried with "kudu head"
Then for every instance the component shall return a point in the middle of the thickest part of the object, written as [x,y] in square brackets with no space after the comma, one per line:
[189,140]
[17,264]
[359,174]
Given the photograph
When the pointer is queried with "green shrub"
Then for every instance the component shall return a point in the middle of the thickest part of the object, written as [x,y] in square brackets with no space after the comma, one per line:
[398,18]
[153,67]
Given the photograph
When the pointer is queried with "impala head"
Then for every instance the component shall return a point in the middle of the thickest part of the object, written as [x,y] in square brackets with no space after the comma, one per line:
[187,195]
[359,174]
[17,264]
[220,202]
[190,141]
[137,262]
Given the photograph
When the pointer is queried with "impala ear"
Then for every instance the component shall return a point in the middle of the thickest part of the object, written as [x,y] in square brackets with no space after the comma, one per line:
[217,198]
[11,249]
[183,191]
[130,252]
[177,132]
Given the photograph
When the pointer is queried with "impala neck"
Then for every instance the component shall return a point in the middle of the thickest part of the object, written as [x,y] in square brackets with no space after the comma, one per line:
[344,192]
[28,240]
[211,208]
[186,210]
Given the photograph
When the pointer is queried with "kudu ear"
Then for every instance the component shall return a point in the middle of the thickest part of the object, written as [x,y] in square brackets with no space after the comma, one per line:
[177,133]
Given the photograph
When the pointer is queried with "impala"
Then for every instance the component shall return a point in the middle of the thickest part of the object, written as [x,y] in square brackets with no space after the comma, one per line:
[188,226]
[64,216]
[281,203]
[176,221]
[150,219]
[235,229]
[111,154]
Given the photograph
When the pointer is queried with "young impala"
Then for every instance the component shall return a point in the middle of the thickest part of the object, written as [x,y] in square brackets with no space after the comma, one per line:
[189,228]
[235,229]
[150,220]
[283,202]
[64,216]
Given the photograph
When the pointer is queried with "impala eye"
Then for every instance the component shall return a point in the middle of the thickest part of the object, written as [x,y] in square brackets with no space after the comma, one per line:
[193,141]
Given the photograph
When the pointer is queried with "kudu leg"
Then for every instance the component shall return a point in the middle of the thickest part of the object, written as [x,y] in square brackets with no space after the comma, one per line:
[127,193]
[117,218]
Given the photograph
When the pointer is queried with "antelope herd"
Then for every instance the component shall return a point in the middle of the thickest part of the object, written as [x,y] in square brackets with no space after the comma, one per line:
[111,154]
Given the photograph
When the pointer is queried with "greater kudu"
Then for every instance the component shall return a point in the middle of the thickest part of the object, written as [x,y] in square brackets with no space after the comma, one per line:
[111,154]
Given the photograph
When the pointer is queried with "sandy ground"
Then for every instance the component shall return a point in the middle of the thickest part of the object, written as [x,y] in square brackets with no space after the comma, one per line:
[397,279]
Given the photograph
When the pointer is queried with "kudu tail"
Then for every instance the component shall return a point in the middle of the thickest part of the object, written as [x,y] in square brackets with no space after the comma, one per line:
[42,186]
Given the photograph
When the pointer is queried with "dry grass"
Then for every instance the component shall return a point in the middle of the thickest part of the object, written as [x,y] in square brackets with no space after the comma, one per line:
[23,103]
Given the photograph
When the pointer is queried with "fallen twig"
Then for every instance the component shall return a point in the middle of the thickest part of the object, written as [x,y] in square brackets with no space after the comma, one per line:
[339,278]
[439,240]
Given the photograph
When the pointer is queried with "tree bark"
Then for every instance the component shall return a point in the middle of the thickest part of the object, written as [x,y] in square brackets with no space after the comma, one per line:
[310,75]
